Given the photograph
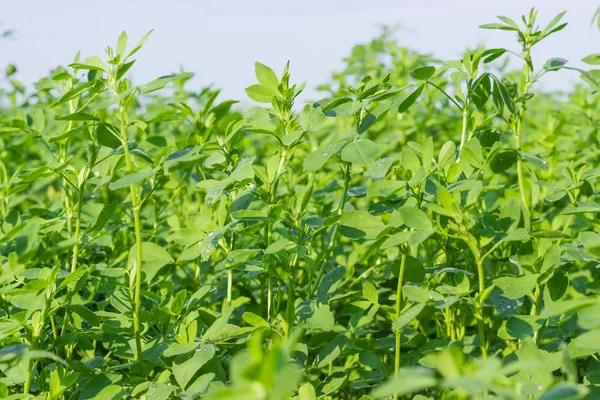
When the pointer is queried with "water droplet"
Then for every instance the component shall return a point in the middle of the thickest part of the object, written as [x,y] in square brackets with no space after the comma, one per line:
[210,233]
[324,154]
[540,387]
[229,259]
[430,297]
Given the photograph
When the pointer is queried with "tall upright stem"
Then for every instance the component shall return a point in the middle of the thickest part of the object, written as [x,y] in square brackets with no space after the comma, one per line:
[272,197]
[463,132]
[229,286]
[398,307]
[77,228]
[472,244]
[320,264]
[138,239]
[518,134]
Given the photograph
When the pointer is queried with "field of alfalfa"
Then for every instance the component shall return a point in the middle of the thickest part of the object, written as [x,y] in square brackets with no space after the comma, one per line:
[427,230]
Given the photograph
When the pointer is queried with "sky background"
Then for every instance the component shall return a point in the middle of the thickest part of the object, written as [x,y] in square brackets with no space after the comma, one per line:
[219,40]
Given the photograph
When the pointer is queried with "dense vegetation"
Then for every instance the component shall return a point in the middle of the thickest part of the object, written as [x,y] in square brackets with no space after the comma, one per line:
[427,230]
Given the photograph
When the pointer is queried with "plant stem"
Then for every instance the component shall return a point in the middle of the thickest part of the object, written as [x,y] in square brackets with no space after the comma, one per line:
[138,239]
[566,228]
[519,134]
[272,197]
[320,265]
[398,306]
[463,132]
[472,243]
[229,286]
[77,228]
[535,308]
[27,383]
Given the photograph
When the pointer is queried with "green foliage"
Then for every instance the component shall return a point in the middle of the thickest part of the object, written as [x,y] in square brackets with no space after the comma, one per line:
[426,230]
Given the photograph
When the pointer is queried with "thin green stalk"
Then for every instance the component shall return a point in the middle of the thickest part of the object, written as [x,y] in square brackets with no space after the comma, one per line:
[229,286]
[398,307]
[77,229]
[566,228]
[445,94]
[27,383]
[519,135]
[269,233]
[230,272]
[535,308]
[465,120]
[320,265]
[290,314]
[138,239]
[478,300]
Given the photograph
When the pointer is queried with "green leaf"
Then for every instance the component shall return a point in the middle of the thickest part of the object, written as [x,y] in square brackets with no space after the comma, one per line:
[331,351]
[522,326]
[516,287]
[107,136]
[329,284]
[277,246]
[582,207]
[163,81]
[481,91]
[411,99]
[177,349]
[254,320]
[378,170]
[332,384]
[592,59]
[185,367]
[501,94]
[408,380]
[423,73]
[266,76]
[121,44]
[419,295]
[91,63]
[130,179]
[307,392]
[317,316]
[140,44]
[414,271]
[311,118]
[498,26]
[360,152]
[178,302]
[317,159]
[110,392]
[563,391]
[447,152]
[85,313]
[407,316]
[154,257]
[554,64]
[250,215]
[415,218]
[369,292]
[217,326]
[535,160]
[80,116]
[261,93]
[360,223]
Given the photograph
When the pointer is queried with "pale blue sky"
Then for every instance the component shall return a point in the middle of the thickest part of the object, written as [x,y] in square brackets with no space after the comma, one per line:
[219,40]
